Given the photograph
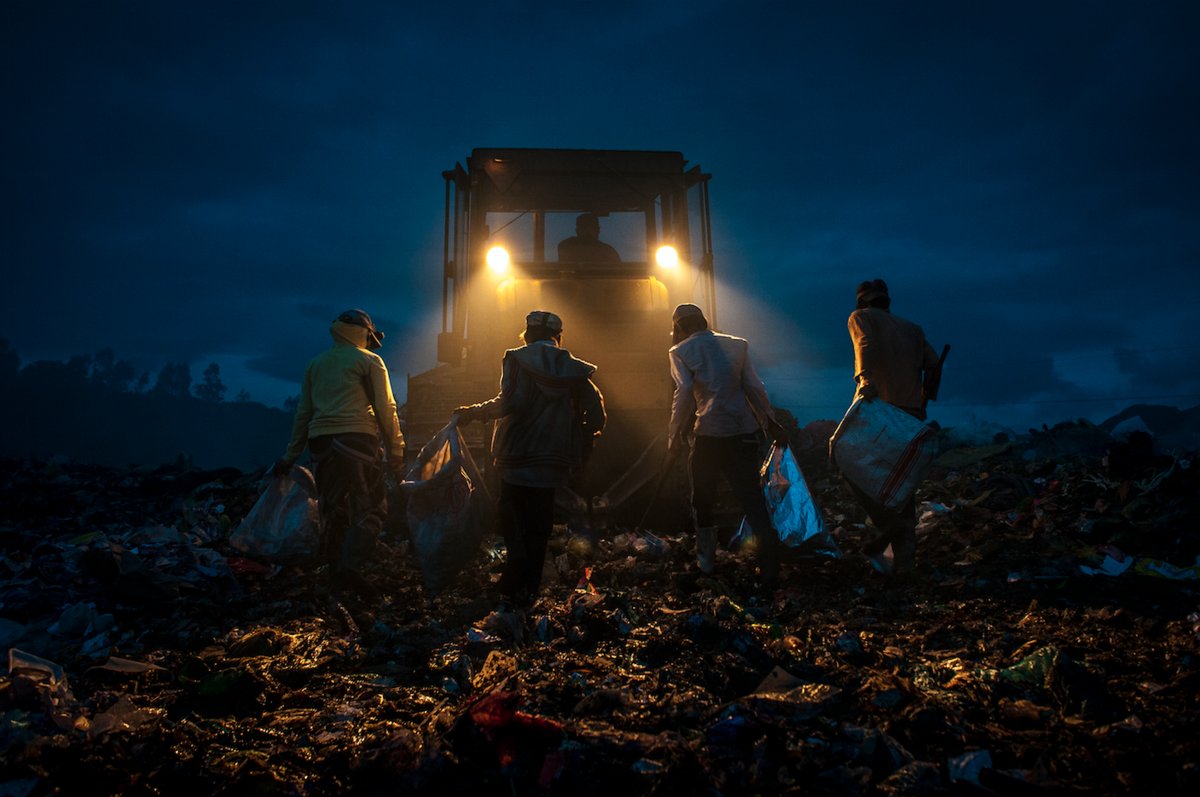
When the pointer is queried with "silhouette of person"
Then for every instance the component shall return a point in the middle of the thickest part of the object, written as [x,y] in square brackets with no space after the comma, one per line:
[585,245]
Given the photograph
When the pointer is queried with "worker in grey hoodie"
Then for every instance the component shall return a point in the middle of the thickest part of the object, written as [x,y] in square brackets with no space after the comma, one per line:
[547,413]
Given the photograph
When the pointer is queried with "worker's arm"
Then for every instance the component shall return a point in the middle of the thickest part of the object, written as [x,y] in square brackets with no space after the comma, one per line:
[864,354]
[304,412]
[760,402]
[929,358]
[502,403]
[591,406]
[683,403]
[384,402]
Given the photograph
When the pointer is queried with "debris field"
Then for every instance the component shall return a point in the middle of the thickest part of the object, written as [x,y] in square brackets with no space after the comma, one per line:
[1047,645]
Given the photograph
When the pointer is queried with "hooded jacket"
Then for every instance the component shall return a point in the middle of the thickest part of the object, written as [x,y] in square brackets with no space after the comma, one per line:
[547,410]
[346,389]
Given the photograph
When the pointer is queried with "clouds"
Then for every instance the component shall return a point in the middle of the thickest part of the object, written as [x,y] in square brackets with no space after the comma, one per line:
[218,180]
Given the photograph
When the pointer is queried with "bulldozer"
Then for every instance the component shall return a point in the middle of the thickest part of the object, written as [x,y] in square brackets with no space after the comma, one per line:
[507,215]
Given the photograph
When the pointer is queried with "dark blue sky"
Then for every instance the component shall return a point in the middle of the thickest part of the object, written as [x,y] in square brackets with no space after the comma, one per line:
[215,181]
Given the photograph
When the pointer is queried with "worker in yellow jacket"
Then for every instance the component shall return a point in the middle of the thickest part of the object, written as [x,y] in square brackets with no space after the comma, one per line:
[347,417]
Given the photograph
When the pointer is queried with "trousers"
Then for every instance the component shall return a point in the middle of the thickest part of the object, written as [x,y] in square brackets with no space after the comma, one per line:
[897,527]
[526,519]
[351,497]
[737,459]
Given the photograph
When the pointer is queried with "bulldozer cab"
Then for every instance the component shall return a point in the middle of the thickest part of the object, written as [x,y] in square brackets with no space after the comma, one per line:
[610,241]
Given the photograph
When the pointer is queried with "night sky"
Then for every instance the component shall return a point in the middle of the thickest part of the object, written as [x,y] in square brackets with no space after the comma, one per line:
[216,181]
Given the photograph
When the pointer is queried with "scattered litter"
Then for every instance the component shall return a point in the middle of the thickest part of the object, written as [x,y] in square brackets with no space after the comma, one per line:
[1052,624]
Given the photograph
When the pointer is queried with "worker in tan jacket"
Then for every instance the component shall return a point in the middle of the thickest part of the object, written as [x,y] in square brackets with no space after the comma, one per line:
[347,417]
[894,363]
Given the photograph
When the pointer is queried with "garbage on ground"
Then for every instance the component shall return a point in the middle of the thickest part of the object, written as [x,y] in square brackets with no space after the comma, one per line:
[147,654]
[1116,563]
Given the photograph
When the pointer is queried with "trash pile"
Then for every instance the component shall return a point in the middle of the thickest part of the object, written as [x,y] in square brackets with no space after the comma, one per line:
[1049,643]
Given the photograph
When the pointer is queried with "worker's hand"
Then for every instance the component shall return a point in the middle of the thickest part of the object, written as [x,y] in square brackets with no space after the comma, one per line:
[461,416]
[867,391]
[396,466]
[281,468]
[778,432]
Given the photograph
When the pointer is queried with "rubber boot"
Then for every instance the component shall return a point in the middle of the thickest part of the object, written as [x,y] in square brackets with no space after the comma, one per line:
[706,548]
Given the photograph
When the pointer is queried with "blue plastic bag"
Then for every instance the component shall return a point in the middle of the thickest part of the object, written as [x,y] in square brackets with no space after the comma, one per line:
[448,507]
[794,514]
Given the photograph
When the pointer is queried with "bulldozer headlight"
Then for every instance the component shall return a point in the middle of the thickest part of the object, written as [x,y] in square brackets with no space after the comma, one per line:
[667,257]
[498,260]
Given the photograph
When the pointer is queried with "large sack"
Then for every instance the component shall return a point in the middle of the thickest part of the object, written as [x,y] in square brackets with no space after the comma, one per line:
[283,524]
[883,450]
[448,507]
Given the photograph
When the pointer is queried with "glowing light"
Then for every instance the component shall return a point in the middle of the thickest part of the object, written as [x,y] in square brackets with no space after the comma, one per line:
[498,260]
[667,257]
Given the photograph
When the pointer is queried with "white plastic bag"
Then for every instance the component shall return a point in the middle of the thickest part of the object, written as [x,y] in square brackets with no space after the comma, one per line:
[794,514]
[283,524]
[883,450]
[448,507]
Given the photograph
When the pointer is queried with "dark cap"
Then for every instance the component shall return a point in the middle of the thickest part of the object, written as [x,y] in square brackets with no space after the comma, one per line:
[544,318]
[685,310]
[359,318]
[871,290]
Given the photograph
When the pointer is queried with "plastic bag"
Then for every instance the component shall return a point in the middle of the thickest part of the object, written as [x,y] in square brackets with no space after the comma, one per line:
[794,514]
[283,524]
[883,450]
[448,507]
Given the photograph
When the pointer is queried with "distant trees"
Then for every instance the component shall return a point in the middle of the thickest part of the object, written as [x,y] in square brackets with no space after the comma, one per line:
[97,408]
[212,388]
[104,373]
[109,372]
[174,380]
[54,378]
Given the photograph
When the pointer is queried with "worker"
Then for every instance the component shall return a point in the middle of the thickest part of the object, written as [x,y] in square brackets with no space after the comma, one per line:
[346,416]
[585,245]
[548,412]
[894,363]
[721,402]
